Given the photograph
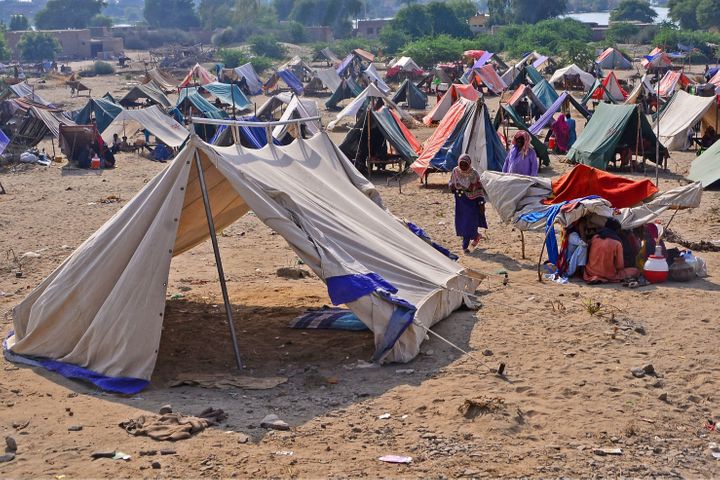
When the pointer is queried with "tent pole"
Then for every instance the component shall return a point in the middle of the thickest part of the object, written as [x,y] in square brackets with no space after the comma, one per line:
[218,260]
[367,122]
[657,128]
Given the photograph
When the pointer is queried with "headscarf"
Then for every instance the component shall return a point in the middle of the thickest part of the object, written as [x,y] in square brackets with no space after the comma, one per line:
[526,145]
[466,181]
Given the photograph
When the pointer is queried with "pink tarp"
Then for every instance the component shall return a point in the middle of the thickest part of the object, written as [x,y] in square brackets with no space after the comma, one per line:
[491,79]
[198,75]
[433,144]
[451,96]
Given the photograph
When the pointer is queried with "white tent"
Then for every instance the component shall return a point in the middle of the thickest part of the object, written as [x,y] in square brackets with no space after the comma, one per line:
[454,93]
[99,315]
[265,112]
[681,113]
[643,86]
[251,77]
[329,78]
[154,119]
[354,107]
[587,79]
[373,77]
[299,109]
[405,63]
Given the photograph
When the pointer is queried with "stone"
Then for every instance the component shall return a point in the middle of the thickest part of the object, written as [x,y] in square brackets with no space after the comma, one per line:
[638,372]
[167,451]
[148,453]
[640,329]
[649,369]
[658,383]
[663,397]
[165,409]
[8,457]
[242,438]
[292,272]
[607,451]
[75,428]
[102,454]
[487,352]
[11,444]
[156,465]
[273,422]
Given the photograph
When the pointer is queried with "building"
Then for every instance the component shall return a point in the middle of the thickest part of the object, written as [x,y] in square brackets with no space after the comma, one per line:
[75,43]
[479,23]
[370,28]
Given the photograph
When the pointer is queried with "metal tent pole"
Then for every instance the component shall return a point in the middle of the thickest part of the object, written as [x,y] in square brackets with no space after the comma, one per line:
[218,260]
[657,128]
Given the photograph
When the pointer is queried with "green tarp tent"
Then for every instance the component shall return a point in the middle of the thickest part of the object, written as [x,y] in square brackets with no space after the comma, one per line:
[147,92]
[545,92]
[410,94]
[347,89]
[610,126]
[540,148]
[533,75]
[227,93]
[706,168]
[104,111]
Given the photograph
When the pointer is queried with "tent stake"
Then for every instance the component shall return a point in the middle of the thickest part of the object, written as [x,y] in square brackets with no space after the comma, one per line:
[218,260]
[522,240]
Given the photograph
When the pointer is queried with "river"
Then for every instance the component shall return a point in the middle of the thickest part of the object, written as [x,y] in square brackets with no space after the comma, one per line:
[601,18]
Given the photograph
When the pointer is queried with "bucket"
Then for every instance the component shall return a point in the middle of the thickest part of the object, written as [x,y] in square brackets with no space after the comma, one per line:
[95,163]
[551,143]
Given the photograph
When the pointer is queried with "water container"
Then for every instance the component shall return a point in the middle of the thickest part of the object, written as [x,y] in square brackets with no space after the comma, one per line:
[690,259]
[551,143]
[95,163]
[656,268]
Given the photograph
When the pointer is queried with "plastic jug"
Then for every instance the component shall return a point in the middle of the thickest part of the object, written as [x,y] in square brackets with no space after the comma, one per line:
[656,268]
[95,163]
[690,260]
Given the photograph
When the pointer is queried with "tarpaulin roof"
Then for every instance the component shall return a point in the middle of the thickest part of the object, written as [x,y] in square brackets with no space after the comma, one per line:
[145,91]
[408,92]
[307,192]
[609,126]
[609,89]
[612,59]
[348,89]
[658,58]
[364,54]
[643,85]
[347,61]
[198,75]
[587,79]
[407,64]
[330,55]
[162,126]
[545,93]
[554,108]
[682,112]
[491,79]
[23,90]
[706,167]
[104,110]
[465,129]
[329,78]
[205,108]
[372,76]
[298,108]
[252,80]
[541,60]
[670,80]
[288,78]
[454,93]
[227,94]
[51,119]
[370,92]
[522,92]
[163,80]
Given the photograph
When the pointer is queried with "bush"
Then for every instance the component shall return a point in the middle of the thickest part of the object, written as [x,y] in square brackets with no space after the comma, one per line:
[668,37]
[297,32]
[431,50]
[222,37]
[265,45]
[101,21]
[234,57]
[102,68]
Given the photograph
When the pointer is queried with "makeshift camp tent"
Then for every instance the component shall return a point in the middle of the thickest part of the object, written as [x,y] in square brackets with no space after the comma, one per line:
[298,67]
[160,125]
[657,59]
[411,95]
[330,56]
[404,67]
[545,93]
[642,88]
[671,81]
[486,75]
[613,59]
[198,75]
[228,94]
[32,123]
[348,89]
[288,78]
[522,92]
[371,75]
[248,74]
[23,90]
[609,126]
[162,80]
[379,138]
[609,90]
[455,93]
[706,168]
[564,100]
[195,105]
[298,109]
[570,76]
[147,92]
[507,115]
[681,113]
[102,110]
[76,139]
[324,79]
[110,334]
[465,129]
[370,93]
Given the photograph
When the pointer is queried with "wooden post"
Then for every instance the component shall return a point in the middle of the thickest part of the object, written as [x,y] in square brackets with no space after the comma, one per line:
[522,243]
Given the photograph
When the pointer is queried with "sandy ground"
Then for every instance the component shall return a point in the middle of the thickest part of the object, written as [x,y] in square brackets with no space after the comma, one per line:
[568,389]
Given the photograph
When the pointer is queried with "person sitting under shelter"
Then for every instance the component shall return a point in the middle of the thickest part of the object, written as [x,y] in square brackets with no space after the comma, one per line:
[521,159]
[162,153]
[708,138]
[605,259]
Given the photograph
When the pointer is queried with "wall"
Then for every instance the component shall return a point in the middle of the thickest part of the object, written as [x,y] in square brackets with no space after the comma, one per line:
[75,43]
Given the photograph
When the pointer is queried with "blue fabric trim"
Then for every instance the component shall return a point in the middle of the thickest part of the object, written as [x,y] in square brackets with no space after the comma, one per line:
[402,317]
[421,233]
[126,385]
[348,288]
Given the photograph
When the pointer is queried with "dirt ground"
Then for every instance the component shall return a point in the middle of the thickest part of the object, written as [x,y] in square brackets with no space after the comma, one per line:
[567,393]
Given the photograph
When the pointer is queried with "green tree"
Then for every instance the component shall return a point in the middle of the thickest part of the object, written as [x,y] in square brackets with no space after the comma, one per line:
[38,46]
[267,46]
[4,50]
[101,21]
[524,11]
[18,22]
[283,8]
[629,10]
[413,20]
[621,32]
[331,13]
[707,13]
[216,14]
[445,20]
[61,14]
[393,39]
[684,12]
[170,13]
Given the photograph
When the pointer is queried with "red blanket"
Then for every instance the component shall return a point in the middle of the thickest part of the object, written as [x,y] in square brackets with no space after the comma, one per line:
[583,181]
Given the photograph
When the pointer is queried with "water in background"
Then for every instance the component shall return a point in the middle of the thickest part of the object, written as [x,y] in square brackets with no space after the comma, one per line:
[601,18]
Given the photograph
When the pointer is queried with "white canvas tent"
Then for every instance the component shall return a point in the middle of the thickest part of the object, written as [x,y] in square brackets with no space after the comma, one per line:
[682,112]
[99,315]
[373,77]
[329,78]
[162,126]
[587,79]
[251,77]
[354,107]
[643,86]
[406,64]
[297,109]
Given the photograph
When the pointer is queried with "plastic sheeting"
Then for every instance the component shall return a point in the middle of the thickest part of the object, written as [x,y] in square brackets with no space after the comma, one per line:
[706,167]
[454,93]
[198,75]
[162,126]
[370,92]
[252,80]
[545,93]
[103,110]
[372,76]
[546,117]
[587,79]
[409,93]
[681,113]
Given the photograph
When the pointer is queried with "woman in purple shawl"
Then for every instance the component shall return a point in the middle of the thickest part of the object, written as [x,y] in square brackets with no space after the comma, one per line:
[521,159]
[561,130]
[469,202]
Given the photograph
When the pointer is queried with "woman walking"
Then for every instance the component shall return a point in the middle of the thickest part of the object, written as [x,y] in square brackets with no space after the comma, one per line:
[469,203]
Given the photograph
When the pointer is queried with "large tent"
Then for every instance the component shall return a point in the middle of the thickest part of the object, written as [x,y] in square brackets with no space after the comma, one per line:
[411,95]
[371,93]
[149,93]
[348,88]
[198,75]
[609,126]
[252,80]
[706,167]
[613,59]
[102,110]
[569,76]
[465,129]
[454,93]
[307,192]
[162,126]
[682,112]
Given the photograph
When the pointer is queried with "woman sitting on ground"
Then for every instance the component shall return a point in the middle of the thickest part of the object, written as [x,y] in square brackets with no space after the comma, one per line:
[605,259]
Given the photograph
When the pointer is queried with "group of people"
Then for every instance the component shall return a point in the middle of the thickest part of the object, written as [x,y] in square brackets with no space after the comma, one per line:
[563,130]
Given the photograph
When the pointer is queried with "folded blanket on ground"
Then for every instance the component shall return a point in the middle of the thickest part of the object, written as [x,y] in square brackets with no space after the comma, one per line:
[332,318]
[173,426]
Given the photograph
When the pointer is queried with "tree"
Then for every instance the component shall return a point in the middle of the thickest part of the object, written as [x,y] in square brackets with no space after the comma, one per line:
[707,13]
[216,14]
[266,45]
[283,8]
[4,50]
[684,12]
[620,32]
[445,20]
[61,14]
[393,39]
[330,13]
[524,11]
[18,22]
[38,46]
[629,10]
[170,13]
[101,21]
[413,20]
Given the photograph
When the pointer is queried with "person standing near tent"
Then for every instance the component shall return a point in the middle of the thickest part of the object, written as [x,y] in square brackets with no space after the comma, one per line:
[561,131]
[521,159]
[469,202]
[571,127]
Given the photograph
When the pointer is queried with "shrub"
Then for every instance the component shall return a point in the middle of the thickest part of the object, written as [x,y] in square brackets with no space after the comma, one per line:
[234,57]
[297,32]
[222,37]
[266,45]
[102,68]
